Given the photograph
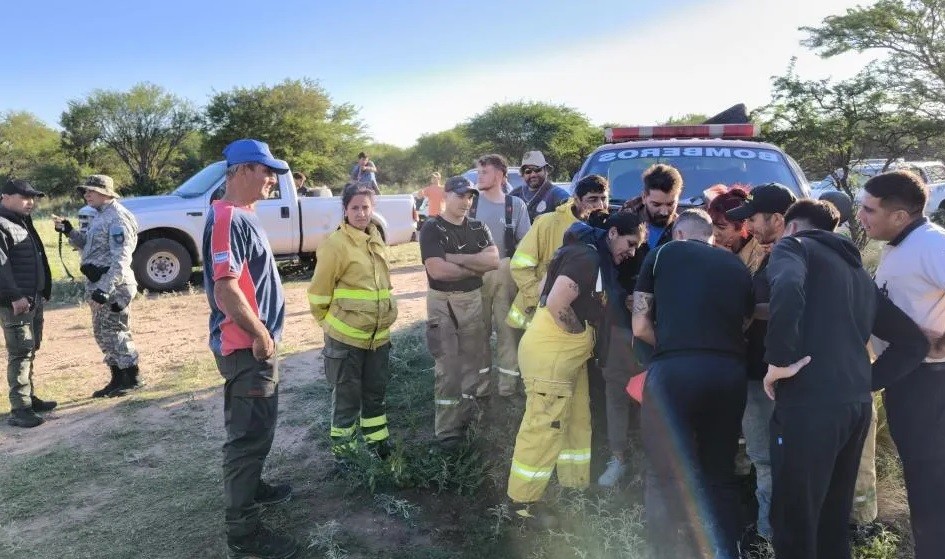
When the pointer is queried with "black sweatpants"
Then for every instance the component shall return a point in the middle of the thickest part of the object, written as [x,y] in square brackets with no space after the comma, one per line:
[691,417]
[915,408]
[600,453]
[815,454]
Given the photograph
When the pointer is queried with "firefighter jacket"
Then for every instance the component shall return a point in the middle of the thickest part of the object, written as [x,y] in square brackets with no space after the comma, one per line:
[531,259]
[350,291]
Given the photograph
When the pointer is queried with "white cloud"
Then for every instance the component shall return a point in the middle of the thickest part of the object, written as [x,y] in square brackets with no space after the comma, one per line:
[701,60]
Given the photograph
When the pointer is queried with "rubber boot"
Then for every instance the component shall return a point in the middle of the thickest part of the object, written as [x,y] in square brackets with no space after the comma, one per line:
[112,385]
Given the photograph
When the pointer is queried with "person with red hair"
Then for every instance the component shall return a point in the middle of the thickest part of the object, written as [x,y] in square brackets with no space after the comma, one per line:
[733,234]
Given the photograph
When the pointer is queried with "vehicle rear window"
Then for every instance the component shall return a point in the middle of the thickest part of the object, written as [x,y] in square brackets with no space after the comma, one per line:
[700,166]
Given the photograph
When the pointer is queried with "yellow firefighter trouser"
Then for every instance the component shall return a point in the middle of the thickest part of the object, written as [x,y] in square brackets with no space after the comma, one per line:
[864,497]
[498,292]
[556,428]
[455,339]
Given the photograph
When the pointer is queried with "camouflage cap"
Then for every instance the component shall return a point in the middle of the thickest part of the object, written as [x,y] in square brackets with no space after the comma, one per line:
[103,184]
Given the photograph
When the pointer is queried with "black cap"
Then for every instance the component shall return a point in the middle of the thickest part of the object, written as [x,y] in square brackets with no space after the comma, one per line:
[22,188]
[771,198]
[460,185]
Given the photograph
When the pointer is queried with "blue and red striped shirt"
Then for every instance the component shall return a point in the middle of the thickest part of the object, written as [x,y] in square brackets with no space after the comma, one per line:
[235,246]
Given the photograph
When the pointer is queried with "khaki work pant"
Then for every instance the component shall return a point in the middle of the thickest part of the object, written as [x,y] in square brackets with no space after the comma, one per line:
[556,428]
[455,339]
[864,497]
[498,292]
[22,334]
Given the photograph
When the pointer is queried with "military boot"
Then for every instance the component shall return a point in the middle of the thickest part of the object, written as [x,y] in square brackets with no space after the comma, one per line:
[128,380]
[42,405]
[112,385]
[24,417]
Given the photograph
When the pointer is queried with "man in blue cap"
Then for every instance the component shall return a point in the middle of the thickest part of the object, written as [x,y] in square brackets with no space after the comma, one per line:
[247,311]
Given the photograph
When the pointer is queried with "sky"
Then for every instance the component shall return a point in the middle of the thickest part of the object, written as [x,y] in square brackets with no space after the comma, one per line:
[419,67]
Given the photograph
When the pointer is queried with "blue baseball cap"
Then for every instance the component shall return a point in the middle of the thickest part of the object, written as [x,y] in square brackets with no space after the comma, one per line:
[253,151]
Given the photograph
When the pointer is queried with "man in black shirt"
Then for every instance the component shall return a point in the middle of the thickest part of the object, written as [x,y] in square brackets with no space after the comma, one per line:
[456,252]
[691,304]
[823,308]
[764,213]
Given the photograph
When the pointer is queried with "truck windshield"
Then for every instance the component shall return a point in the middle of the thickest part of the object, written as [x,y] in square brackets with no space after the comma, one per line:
[200,183]
[701,167]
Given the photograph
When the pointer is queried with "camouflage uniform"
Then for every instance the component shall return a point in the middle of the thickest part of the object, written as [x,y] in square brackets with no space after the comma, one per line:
[107,247]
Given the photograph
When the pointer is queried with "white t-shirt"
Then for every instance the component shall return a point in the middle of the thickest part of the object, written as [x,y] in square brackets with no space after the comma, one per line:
[912,274]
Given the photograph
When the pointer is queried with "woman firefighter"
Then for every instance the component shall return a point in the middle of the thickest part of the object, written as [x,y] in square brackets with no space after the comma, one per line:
[350,298]
[556,428]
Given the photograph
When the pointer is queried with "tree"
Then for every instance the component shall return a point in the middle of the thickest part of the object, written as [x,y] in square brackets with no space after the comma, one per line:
[688,118]
[564,135]
[29,149]
[450,152]
[143,126]
[395,165]
[912,32]
[828,125]
[297,119]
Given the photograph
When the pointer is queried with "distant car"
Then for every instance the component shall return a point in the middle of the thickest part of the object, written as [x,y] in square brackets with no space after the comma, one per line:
[932,172]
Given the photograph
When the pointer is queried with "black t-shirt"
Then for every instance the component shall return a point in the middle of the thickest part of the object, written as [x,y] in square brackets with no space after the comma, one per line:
[439,237]
[757,368]
[581,263]
[702,295]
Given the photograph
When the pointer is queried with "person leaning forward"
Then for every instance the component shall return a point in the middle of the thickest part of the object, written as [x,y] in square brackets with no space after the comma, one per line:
[247,311]
[25,285]
[456,252]
[107,247]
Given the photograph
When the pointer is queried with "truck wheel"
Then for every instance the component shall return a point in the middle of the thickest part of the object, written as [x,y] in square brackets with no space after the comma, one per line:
[162,265]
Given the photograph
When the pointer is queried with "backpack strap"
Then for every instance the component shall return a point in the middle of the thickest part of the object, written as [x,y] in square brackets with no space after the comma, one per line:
[510,241]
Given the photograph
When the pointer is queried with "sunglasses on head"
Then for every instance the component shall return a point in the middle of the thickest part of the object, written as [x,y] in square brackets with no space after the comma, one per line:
[531,170]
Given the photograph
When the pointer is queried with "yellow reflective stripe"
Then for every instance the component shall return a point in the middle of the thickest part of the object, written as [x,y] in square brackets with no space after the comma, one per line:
[343,431]
[362,294]
[577,456]
[528,473]
[517,317]
[318,299]
[446,402]
[382,334]
[522,260]
[374,421]
[377,436]
[350,330]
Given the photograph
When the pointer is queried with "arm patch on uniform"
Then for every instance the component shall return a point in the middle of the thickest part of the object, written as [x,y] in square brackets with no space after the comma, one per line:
[117,234]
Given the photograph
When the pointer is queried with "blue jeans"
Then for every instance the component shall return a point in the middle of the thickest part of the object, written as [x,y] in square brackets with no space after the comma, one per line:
[755,428]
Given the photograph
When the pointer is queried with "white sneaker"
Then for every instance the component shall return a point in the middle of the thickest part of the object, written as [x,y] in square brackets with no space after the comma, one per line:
[615,470]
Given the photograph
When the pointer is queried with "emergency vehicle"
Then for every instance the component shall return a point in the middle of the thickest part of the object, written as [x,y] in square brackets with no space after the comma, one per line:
[705,154]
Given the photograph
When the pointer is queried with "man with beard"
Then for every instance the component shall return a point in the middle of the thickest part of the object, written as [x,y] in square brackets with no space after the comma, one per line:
[662,185]
[539,194]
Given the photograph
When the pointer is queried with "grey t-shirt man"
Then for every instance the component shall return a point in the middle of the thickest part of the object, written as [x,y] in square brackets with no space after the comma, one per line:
[492,214]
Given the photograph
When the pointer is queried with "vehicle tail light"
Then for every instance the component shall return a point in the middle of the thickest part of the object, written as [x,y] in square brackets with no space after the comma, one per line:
[613,135]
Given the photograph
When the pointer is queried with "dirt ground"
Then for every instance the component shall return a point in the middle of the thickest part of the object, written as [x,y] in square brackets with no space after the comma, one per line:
[170,332]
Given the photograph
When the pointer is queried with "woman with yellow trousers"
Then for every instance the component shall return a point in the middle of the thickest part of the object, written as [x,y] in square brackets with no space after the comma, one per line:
[556,428]
[350,298]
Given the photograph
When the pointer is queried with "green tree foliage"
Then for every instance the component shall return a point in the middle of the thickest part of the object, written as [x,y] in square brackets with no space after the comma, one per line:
[688,118]
[395,165]
[297,119]
[144,127]
[912,32]
[450,152]
[563,134]
[828,126]
[29,149]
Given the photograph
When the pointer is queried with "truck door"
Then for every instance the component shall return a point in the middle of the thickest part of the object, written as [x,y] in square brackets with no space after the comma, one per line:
[279,215]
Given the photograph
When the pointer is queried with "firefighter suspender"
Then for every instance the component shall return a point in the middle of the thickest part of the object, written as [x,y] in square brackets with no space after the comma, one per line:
[509,233]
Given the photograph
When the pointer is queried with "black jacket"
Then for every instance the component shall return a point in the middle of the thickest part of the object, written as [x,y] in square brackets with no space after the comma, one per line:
[23,264]
[825,305]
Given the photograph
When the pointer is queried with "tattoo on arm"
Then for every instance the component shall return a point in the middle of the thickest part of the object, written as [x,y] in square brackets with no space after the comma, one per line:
[642,303]
[570,321]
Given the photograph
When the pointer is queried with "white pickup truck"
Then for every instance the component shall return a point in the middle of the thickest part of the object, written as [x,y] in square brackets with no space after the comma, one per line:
[170,227]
